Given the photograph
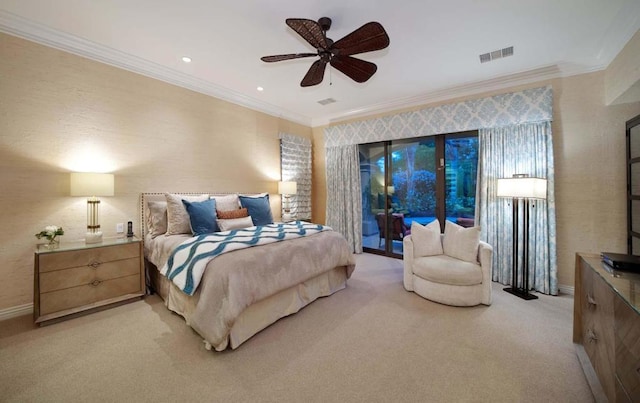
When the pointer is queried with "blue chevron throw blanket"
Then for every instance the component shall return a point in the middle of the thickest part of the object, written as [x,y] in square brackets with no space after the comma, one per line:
[187,263]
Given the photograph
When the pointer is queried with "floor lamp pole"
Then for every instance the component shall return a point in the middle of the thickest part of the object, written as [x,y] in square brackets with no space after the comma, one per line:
[522,292]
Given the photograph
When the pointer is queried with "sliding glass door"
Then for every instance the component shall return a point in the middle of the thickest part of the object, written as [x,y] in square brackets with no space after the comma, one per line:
[418,180]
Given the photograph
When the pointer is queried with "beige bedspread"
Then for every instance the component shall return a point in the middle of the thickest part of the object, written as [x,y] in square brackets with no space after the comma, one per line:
[235,280]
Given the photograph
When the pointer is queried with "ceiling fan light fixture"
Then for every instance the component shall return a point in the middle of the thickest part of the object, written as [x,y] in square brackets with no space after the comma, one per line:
[368,38]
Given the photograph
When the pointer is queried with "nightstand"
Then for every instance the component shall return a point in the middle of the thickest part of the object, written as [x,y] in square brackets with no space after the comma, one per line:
[76,277]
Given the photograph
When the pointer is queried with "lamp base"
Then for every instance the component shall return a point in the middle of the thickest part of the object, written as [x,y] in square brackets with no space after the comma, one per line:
[93,237]
[518,292]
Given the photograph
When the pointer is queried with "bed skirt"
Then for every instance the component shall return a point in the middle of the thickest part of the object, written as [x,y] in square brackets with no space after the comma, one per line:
[259,315]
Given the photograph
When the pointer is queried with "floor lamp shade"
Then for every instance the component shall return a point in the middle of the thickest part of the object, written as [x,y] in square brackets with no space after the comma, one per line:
[92,185]
[521,188]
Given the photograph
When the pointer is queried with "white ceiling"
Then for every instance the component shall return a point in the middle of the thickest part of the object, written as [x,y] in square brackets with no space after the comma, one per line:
[433,53]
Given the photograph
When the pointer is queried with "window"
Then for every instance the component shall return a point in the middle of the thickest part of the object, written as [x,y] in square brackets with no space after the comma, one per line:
[418,180]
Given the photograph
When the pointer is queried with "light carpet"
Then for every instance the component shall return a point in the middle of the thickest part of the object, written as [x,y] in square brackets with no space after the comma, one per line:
[371,342]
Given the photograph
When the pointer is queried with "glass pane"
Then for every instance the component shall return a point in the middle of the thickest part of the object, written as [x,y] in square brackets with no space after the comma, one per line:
[413,177]
[635,179]
[635,215]
[373,195]
[634,142]
[635,246]
[461,167]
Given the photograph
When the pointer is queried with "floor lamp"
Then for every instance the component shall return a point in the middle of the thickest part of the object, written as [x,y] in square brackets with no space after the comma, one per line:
[521,188]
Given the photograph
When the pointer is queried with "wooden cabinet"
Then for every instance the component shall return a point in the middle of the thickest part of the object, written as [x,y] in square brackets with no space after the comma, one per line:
[606,329]
[78,277]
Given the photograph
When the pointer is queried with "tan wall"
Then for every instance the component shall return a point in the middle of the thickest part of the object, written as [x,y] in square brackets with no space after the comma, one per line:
[61,113]
[622,78]
[589,151]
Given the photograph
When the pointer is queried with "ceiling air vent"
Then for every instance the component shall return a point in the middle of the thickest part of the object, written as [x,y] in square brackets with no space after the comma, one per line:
[326,101]
[496,54]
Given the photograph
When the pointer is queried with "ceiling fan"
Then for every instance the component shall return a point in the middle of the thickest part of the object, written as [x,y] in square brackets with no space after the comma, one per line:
[367,38]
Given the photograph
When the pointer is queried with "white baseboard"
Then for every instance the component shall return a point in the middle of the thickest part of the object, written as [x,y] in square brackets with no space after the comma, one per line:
[566,289]
[12,312]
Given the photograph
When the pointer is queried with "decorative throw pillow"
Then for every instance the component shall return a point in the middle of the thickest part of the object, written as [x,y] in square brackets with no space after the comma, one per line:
[259,209]
[460,242]
[235,223]
[156,218]
[202,216]
[227,202]
[238,213]
[426,239]
[177,216]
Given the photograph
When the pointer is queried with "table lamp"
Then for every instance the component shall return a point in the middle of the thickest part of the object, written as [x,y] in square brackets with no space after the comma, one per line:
[286,189]
[92,185]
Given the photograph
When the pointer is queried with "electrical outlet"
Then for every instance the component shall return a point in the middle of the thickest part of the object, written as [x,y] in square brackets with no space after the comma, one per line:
[120,228]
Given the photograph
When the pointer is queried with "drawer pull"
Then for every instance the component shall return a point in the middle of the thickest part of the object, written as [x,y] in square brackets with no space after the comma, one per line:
[95,264]
[95,283]
[591,336]
[591,301]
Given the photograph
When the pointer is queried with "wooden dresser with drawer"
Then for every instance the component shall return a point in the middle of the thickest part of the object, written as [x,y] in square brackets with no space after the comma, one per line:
[77,277]
[606,329]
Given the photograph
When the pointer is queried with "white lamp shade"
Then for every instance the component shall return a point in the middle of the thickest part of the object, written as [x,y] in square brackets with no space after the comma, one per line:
[522,187]
[287,188]
[91,184]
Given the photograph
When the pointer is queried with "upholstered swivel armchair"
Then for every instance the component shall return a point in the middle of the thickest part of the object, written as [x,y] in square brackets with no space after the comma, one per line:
[453,268]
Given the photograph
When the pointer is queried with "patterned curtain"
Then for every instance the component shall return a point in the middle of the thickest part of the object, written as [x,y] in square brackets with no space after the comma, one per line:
[295,165]
[518,149]
[344,200]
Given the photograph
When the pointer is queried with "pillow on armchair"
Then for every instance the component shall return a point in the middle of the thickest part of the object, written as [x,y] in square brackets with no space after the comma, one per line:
[426,239]
[460,242]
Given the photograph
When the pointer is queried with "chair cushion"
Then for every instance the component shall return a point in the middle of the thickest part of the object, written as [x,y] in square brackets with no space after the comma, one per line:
[461,243]
[426,239]
[445,269]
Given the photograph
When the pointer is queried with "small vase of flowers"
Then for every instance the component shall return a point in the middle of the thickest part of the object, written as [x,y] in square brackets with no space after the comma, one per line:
[50,232]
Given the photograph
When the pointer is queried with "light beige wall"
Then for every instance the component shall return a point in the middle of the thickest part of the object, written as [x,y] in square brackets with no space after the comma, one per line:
[61,113]
[589,151]
[622,78]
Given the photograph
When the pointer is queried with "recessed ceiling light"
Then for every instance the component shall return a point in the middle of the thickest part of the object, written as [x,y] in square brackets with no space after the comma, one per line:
[186,59]
[260,89]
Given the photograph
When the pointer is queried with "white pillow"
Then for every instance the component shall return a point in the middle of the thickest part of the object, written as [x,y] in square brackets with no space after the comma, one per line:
[426,239]
[177,217]
[227,202]
[460,242]
[235,223]
[156,218]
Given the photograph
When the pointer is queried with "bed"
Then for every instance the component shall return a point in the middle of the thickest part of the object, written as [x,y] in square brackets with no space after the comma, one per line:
[244,291]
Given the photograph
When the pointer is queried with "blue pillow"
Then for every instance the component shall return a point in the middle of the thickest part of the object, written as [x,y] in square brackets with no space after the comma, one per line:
[258,208]
[202,216]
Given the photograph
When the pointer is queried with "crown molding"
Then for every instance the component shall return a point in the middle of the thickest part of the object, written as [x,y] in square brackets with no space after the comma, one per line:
[35,32]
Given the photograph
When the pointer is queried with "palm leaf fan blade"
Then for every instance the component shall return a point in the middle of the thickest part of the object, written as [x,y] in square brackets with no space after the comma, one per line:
[356,69]
[315,74]
[367,38]
[279,58]
[309,30]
